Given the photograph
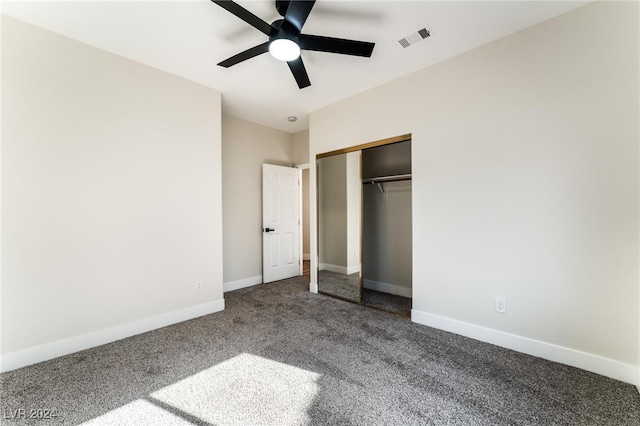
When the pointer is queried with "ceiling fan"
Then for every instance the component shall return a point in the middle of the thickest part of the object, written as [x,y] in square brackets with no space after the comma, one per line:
[286,38]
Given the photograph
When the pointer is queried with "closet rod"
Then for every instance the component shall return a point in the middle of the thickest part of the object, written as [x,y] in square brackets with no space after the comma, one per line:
[387,178]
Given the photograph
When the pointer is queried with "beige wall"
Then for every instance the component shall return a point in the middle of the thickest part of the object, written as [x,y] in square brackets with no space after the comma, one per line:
[525,186]
[353,186]
[332,215]
[339,213]
[245,147]
[301,147]
[111,194]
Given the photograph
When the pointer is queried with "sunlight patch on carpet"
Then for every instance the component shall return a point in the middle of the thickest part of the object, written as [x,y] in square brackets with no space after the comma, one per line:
[243,389]
[139,412]
[237,391]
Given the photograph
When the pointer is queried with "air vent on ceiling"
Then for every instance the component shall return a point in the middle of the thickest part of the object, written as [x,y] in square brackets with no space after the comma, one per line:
[413,38]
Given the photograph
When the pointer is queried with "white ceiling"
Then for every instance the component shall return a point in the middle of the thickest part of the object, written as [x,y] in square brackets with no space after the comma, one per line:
[189,37]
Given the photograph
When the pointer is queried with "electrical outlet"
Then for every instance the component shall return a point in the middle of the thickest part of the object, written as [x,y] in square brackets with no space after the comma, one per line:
[501,305]
[198,285]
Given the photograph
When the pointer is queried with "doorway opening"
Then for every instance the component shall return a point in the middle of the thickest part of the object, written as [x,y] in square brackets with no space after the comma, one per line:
[305,244]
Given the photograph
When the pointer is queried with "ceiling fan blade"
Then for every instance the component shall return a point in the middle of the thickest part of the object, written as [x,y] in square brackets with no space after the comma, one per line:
[335,45]
[298,12]
[299,73]
[245,15]
[247,54]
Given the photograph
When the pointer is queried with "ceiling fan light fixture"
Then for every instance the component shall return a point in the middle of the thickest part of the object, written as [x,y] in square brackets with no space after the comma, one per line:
[286,38]
[284,49]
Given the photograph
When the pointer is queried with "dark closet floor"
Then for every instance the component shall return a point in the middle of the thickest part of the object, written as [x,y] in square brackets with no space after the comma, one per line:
[388,302]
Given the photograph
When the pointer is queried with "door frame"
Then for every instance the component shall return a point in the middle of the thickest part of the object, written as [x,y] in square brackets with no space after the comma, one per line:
[302,166]
[314,286]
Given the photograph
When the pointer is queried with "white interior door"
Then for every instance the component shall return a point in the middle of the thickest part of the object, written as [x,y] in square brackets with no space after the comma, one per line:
[280,222]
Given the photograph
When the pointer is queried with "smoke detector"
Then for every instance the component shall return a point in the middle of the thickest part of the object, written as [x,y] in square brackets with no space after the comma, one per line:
[415,37]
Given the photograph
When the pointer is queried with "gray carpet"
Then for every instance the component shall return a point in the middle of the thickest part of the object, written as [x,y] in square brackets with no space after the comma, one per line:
[281,355]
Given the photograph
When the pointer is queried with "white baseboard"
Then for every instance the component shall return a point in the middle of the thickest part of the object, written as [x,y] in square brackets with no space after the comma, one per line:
[387,288]
[597,364]
[339,269]
[34,355]
[332,268]
[246,282]
[353,269]
[306,256]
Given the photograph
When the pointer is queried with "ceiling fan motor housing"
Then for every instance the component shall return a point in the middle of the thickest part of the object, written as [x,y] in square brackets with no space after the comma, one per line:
[283,42]
[280,29]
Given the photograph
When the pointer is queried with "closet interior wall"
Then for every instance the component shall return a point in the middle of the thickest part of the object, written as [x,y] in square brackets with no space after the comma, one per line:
[386,242]
[386,220]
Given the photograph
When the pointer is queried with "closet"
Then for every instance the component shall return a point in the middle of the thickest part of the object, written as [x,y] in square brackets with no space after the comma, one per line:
[364,225]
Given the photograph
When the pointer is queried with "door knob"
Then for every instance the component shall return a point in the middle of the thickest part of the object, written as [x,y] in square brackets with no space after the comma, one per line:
[268,230]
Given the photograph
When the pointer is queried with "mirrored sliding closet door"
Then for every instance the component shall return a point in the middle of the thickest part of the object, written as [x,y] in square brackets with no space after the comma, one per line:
[339,211]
